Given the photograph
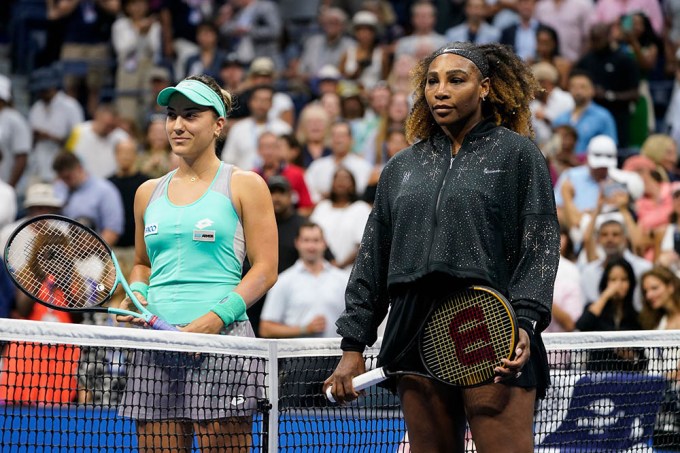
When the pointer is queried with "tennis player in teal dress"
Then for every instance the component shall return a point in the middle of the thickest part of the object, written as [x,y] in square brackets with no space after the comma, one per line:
[193,229]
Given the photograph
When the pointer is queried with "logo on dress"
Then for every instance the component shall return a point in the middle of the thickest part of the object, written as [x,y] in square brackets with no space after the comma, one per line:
[487,171]
[150,229]
[204,223]
[204,235]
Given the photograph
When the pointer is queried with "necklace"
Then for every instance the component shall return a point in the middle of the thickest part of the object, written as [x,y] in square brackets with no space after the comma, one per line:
[196,177]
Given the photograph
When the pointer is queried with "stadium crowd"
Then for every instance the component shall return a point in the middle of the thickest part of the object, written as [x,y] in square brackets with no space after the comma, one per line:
[322,93]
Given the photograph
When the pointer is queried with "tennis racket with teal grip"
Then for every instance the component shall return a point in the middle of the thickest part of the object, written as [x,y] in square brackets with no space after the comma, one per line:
[66,266]
[464,338]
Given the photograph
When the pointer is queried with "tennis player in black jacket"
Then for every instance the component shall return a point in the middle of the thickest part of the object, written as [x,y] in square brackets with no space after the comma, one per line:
[469,202]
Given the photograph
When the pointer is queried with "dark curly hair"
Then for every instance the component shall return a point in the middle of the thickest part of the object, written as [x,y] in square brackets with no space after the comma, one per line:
[512,87]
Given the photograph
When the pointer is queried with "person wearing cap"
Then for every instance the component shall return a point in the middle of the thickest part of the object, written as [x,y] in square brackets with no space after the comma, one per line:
[232,73]
[40,199]
[15,138]
[365,61]
[588,118]
[578,189]
[470,200]
[262,71]
[209,57]
[327,80]
[193,229]
[52,117]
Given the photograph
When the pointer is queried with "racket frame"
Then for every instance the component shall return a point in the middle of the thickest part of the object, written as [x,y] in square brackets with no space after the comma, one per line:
[380,374]
[143,313]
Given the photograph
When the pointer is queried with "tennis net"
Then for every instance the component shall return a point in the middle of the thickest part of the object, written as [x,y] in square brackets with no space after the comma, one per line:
[78,388]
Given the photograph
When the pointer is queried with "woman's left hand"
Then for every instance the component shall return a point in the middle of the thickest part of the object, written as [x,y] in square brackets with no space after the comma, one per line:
[513,368]
[208,323]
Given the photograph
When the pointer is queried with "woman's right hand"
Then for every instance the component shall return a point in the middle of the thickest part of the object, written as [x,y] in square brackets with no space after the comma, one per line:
[126,304]
[351,365]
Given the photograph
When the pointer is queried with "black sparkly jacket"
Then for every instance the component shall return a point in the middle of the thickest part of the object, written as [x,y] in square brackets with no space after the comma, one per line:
[487,215]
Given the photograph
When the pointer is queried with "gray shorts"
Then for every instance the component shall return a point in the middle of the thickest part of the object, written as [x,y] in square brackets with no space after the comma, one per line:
[196,387]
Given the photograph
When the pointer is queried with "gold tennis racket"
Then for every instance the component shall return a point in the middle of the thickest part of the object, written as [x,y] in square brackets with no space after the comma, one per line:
[463,340]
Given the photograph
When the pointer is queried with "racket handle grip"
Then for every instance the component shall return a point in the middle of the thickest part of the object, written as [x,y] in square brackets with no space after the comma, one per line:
[157,323]
[362,381]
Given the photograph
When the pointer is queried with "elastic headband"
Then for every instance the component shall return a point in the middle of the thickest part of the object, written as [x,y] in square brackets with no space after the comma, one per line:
[471,54]
[197,92]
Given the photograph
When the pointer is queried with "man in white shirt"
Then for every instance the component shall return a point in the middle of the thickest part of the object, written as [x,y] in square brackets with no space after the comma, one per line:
[52,118]
[15,137]
[240,148]
[94,142]
[309,297]
[319,176]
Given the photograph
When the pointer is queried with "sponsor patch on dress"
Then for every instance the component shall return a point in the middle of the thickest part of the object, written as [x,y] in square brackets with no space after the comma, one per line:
[150,229]
[204,235]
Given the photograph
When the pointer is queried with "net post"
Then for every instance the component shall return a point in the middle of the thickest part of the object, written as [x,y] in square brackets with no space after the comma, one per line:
[273,388]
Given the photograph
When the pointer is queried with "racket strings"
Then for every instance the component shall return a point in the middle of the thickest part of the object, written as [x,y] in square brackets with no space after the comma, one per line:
[61,264]
[467,337]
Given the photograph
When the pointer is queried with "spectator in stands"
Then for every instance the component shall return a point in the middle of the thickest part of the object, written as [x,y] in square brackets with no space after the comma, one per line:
[155,160]
[550,102]
[577,190]
[240,148]
[15,138]
[588,118]
[127,180]
[663,151]
[325,48]
[52,118]
[560,150]
[159,79]
[209,57]
[136,39]
[615,77]
[274,164]
[253,30]
[475,28]
[87,36]
[7,294]
[395,141]
[423,39]
[613,237]
[40,199]
[365,61]
[568,300]
[668,253]
[571,19]
[609,12]
[399,78]
[179,20]
[654,207]
[613,310]
[522,37]
[233,73]
[94,141]
[91,200]
[375,147]
[326,81]
[548,51]
[319,176]
[342,217]
[661,307]
[262,71]
[308,298]
[636,36]
[312,132]
[366,128]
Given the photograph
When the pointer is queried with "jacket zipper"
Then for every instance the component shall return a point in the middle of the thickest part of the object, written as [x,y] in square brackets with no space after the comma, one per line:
[441,189]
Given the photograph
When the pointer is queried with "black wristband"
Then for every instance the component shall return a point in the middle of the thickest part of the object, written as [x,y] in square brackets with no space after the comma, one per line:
[349,345]
[528,325]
